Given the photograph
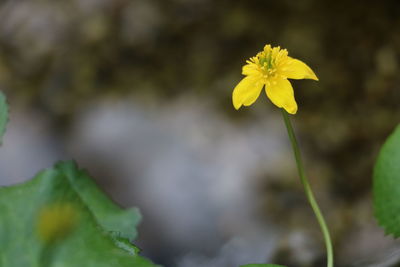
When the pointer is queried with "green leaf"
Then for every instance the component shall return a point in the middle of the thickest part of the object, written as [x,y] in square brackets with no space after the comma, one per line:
[262,265]
[3,115]
[60,218]
[122,222]
[386,185]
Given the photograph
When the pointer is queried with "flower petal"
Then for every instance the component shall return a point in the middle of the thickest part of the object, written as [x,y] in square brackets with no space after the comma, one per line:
[246,92]
[280,92]
[296,69]
[249,69]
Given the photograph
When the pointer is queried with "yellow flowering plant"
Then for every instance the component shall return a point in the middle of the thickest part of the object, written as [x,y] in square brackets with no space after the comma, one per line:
[61,217]
[272,68]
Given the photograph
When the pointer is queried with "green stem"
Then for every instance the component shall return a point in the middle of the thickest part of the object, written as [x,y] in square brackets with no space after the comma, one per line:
[308,191]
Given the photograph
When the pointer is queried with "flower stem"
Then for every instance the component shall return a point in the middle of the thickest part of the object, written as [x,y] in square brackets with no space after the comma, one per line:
[308,191]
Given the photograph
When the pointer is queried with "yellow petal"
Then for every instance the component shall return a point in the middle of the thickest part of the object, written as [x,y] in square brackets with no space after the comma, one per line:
[280,92]
[296,69]
[249,69]
[246,92]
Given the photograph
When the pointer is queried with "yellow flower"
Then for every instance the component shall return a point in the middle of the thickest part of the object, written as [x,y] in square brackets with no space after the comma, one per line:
[271,67]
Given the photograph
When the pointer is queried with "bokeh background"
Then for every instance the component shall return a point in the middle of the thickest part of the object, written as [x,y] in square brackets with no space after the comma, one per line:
[139,93]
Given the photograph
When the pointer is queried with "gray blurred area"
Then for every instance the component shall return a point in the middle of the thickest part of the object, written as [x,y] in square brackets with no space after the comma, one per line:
[138,92]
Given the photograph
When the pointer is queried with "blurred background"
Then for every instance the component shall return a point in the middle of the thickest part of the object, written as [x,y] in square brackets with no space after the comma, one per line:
[138,92]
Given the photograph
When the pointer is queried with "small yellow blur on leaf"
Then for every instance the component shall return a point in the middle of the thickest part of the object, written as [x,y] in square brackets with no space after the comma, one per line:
[56,221]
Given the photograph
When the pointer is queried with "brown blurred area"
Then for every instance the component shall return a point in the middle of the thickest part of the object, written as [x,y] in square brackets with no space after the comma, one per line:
[58,56]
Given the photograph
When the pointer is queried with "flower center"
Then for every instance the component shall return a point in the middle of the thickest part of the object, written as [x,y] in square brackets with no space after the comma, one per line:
[270,61]
[267,65]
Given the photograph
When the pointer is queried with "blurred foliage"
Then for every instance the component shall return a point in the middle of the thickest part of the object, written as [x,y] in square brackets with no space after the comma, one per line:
[387,185]
[62,53]
[262,265]
[61,218]
[3,115]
